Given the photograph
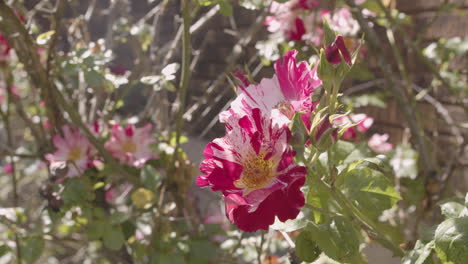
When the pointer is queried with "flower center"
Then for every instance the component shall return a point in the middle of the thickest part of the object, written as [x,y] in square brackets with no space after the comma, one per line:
[74,154]
[129,146]
[257,173]
[286,109]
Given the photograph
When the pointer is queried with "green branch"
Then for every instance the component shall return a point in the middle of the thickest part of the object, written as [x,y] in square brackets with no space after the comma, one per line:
[185,75]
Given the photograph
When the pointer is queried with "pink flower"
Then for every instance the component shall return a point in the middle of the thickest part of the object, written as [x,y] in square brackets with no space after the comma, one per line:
[314,33]
[4,48]
[97,128]
[362,121]
[288,92]
[295,30]
[286,21]
[8,168]
[253,166]
[73,148]
[342,21]
[131,145]
[378,143]
[336,50]
[306,4]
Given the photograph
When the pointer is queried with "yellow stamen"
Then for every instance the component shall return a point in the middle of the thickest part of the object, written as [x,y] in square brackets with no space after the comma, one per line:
[129,146]
[286,109]
[74,154]
[257,173]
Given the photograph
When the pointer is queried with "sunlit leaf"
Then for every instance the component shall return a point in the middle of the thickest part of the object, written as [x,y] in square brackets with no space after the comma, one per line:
[451,240]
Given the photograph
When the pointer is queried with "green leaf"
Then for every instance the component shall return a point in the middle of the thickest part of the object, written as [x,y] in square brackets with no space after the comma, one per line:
[113,237]
[206,2]
[369,189]
[298,134]
[32,248]
[94,78]
[45,37]
[96,229]
[150,177]
[330,35]
[306,248]
[225,7]
[76,192]
[168,258]
[318,196]
[119,217]
[4,249]
[452,208]
[451,240]
[337,238]
[346,152]
[420,254]
[325,71]
[290,225]
[201,252]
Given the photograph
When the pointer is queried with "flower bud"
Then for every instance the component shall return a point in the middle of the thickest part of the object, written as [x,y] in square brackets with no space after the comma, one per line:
[324,134]
[337,51]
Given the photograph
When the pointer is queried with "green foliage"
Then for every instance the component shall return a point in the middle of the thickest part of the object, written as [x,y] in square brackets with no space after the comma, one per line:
[32,248]
[306,248]
[451,240]
[76,191]
[369,189]
[150,177]
[290,225]
[201,251]
[337,238]
[420,254]
[452,208]
[113,237]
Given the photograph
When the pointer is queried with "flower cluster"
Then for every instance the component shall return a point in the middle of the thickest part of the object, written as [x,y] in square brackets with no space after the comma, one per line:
[253,164]
[287,20]
[295,21]
[359,124]
[129,145]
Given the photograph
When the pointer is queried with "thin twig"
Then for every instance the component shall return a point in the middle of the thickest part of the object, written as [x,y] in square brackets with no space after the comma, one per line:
[185,75]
